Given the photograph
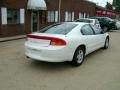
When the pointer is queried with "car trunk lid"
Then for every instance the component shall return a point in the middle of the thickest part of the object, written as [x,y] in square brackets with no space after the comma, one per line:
[43,39]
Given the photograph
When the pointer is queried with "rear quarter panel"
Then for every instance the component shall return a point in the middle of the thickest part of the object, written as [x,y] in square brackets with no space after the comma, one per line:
[75,39]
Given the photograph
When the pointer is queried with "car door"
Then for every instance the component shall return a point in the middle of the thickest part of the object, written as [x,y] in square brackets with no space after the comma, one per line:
[100,36]
[89,38]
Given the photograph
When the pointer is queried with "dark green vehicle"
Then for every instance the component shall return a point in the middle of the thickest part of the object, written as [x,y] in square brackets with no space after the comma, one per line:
[106,23]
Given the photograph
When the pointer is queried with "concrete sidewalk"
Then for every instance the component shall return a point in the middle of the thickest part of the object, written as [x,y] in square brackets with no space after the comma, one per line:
[12,38]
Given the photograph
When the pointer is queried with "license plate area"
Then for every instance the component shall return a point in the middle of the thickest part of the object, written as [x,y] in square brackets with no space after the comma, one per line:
[39,41]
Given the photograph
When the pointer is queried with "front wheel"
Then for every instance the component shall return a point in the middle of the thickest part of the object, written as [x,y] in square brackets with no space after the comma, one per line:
[106,45]
[78,56]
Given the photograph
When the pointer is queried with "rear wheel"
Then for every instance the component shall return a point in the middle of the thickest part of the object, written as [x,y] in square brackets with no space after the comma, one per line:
[78,56]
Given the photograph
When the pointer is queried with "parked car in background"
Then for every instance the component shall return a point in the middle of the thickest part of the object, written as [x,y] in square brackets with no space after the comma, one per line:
[69,41]
[87,20]
[117,24]
[106,23]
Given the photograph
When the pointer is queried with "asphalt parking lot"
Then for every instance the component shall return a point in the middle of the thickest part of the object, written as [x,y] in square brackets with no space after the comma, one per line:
[100,71]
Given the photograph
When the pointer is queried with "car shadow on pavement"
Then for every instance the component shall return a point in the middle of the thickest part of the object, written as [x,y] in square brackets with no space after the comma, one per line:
[50,66]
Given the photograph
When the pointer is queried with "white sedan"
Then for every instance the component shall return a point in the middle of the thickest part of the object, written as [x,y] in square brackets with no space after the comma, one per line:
[69,41]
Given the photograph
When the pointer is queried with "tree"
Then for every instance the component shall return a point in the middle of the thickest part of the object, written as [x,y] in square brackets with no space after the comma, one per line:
[109,6]
[116,4]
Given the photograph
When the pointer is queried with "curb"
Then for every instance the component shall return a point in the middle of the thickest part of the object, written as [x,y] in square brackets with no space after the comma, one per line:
[12,39]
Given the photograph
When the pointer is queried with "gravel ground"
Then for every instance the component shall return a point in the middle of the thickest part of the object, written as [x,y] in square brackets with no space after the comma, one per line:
[100,71]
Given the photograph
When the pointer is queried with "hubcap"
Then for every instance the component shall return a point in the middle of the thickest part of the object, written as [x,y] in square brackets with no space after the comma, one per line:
[80,56]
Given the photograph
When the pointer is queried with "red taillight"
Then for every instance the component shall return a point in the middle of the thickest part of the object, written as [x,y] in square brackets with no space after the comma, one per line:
[57,42]
[53,40]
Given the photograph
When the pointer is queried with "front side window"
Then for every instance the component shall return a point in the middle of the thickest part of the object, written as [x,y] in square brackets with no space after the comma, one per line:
[13,16]
[96,29]
[87,30]
[63,29]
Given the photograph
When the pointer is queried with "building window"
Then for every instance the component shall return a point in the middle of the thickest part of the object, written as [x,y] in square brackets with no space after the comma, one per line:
[84,15]
[52,16]
[13,16]
[42,17]
[81,15]
[4,15]
[69,16]
[22,16]
[72,16]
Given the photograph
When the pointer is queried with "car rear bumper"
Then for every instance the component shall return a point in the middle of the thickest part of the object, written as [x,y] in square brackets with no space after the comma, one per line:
[48,54]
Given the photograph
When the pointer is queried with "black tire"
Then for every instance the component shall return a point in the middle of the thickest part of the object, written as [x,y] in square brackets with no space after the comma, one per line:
[106,45]
[78,57]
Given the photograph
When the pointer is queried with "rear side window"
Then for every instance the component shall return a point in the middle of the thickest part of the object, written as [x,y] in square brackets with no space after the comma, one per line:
[64,29]
[87,30]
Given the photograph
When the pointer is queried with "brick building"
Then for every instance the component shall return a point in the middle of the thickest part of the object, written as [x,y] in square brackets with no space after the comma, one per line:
[24,16]
[16,18]
[12,17]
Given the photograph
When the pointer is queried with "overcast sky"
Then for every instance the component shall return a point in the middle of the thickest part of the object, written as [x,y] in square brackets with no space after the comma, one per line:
[101,2]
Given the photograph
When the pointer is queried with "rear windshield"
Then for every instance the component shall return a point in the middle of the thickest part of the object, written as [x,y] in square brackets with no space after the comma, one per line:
[84,20]
[64,28]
